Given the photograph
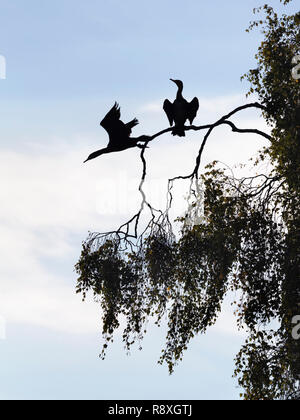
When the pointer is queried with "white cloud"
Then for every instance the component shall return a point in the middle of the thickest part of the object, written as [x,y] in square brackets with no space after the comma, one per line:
[152,107]
[48,198]
[211,107]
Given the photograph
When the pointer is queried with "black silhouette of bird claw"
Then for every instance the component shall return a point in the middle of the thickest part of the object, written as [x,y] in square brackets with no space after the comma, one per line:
[144,139]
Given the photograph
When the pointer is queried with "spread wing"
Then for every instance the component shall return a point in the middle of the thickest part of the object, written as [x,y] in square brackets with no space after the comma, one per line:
[111,121]
[118,131]
[168,108]
[193,109]
[129,126]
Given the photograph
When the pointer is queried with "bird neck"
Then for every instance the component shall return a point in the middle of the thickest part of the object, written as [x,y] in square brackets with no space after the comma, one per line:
[179,92]
[105,150]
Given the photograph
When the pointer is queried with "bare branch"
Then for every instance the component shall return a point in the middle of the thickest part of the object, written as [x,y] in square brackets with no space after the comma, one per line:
[128,233]
[209,126]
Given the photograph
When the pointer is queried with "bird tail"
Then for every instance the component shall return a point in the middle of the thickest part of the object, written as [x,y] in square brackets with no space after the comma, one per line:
[129,126]
[178,131]
[132,123]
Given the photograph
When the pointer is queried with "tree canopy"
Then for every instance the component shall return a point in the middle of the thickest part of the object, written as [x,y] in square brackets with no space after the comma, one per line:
[247,241]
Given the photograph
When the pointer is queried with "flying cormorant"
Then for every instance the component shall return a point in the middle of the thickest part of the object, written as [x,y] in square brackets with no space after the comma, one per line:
[118,132]
[180,110]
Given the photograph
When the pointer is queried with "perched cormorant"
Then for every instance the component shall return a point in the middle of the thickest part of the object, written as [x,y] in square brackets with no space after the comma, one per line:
[119,133]
[180,110]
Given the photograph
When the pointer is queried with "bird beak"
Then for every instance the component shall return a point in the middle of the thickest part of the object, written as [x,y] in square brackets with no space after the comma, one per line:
[172,80]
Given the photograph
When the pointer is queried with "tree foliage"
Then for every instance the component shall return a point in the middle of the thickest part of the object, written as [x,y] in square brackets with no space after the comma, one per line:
[247,242]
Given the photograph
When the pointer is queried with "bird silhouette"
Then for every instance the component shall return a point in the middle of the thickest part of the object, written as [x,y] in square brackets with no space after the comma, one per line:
[180,110]
[118,132]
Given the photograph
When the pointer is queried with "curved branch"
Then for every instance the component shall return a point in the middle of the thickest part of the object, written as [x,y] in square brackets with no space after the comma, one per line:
[247,130]
[219,122]
[122,234]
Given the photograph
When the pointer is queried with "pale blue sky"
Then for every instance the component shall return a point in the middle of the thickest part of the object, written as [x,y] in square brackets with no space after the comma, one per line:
[67,62]
[66,56]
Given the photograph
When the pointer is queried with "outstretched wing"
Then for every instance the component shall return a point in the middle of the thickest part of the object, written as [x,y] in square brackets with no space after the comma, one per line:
[129,126]
[193,109]
[168,108]
[118,131]
[111,121]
